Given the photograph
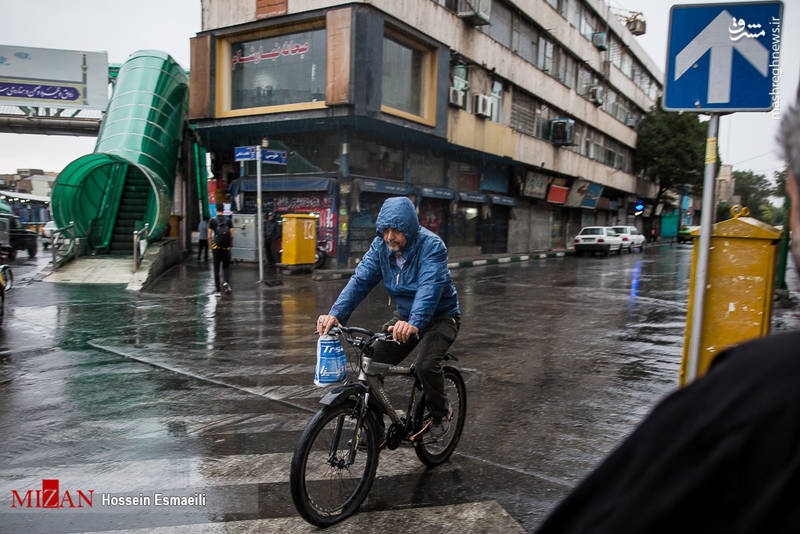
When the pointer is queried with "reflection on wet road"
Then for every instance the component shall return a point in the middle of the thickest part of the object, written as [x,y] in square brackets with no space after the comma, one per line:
[180,392]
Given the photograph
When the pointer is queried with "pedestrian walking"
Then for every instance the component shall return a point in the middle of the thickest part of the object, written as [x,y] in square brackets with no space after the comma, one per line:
[271,232]
[721,454]
[202,240]
[220,238]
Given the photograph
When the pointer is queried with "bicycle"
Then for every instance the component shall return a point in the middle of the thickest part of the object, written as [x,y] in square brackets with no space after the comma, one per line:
[336,459]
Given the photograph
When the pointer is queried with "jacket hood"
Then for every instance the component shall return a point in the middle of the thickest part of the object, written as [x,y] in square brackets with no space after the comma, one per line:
[398,213]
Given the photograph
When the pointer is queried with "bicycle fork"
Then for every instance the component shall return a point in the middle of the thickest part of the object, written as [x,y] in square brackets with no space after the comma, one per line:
[351,455]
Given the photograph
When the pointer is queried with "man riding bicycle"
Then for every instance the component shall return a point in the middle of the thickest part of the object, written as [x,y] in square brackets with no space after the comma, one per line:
[412,262]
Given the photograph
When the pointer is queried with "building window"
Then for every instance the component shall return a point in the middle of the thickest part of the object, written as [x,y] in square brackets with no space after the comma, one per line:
[574,13]
[278,70]
[402,77]
[500,28]
[409,78]
[497,100]
[543,116]
[566,69]
[588,24]
[525,40]
[626,64]
[545,61]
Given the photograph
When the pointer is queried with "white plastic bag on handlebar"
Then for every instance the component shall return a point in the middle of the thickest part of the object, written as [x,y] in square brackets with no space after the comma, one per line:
[331,361]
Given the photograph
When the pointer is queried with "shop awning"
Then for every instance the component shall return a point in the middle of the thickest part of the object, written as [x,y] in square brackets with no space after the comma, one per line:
[503,200]
[368,185]
[24,196]
[293,183]
[471,197]
[437,192]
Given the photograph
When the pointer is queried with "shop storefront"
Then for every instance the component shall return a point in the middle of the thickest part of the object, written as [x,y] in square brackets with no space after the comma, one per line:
[466,219]
[434,209]
[310,194]
[493,229]
[556,196]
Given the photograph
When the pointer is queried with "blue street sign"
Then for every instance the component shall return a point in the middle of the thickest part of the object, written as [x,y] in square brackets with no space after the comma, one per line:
[244,153]
[277,157]
[723,57]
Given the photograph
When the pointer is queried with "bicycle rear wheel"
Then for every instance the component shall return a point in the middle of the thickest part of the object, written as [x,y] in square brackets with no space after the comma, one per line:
[432,451]
[324,489]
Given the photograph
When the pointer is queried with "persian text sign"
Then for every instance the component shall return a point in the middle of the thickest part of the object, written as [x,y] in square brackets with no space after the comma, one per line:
[48,77]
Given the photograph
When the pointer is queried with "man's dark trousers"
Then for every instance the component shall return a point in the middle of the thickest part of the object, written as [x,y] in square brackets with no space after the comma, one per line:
[202,247]
[434,341]
[221,255]
[269,247]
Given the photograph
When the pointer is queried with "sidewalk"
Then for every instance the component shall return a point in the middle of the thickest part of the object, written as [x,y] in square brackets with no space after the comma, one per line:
[475,261]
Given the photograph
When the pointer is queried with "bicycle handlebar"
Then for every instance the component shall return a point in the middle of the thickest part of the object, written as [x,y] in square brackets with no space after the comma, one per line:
[347,331]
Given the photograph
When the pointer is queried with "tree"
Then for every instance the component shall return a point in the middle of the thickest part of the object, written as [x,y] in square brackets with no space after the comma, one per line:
[753,189]
[670,150]
[780,183]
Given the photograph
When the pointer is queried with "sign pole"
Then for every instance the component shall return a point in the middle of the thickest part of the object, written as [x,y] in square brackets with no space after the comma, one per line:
[701,270]
[259,217]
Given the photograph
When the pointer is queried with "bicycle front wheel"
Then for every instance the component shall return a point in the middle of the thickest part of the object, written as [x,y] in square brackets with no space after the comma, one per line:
[432,451]
[325,489]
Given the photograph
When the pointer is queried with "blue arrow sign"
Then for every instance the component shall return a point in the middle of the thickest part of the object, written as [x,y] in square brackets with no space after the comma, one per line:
[244,153]
[723,57]
[277,157]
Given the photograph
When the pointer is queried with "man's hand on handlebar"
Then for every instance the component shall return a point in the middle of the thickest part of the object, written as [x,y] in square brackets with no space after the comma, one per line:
[325,323]
[403,331]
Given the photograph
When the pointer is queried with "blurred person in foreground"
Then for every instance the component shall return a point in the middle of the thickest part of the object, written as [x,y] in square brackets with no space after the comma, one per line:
[721,454]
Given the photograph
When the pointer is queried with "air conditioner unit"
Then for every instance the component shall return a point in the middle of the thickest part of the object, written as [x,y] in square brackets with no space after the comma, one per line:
[595,94]
[475,12]
[637,26]
[482,106]
[458,98]
[562,131]
[599,40]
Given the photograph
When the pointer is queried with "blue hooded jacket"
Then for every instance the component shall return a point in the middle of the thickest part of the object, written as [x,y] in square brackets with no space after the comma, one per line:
[423,289]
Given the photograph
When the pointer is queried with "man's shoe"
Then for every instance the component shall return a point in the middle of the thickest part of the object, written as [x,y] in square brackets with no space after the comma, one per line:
[440,426]
[226,287]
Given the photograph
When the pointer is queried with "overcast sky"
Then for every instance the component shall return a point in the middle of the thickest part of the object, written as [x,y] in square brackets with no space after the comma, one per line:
[746,140]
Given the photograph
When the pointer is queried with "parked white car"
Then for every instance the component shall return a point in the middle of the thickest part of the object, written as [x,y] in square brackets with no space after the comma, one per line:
[631,237]
[597,239]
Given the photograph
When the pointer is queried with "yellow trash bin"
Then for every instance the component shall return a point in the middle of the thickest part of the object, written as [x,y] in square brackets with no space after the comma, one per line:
[299,239]
[739,285]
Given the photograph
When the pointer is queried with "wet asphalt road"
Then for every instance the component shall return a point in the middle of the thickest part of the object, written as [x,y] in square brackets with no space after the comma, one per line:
[179,391]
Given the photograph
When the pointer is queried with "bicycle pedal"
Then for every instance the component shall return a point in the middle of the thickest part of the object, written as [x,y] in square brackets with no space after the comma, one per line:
[421,432]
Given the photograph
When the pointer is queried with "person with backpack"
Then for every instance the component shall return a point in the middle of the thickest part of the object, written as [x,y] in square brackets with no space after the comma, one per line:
[220,239]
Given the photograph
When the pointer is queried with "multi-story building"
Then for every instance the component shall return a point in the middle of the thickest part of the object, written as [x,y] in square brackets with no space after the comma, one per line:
[509,124]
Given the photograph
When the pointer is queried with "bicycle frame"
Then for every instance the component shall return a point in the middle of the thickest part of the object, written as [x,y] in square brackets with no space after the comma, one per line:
[367,383]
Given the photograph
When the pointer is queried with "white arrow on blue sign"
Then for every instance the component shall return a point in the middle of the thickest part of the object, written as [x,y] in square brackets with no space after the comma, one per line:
[244,153]
[723,57]
[277,157]
[248,153]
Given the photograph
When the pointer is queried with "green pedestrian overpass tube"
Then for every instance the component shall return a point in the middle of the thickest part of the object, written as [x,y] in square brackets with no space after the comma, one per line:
[128,181]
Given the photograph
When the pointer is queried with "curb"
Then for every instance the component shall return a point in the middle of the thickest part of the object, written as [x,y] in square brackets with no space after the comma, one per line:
[338,275]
